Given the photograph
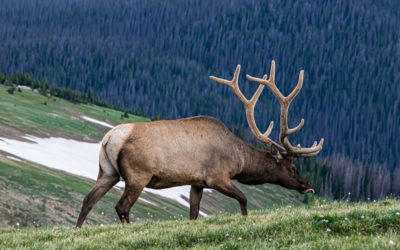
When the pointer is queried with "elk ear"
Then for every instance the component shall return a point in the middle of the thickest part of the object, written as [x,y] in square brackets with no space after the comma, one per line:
[275,153]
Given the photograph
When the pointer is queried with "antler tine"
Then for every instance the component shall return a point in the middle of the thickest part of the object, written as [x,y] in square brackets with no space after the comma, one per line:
[303,152]
[234,85]
[249,106]
[285,103]
[270,83]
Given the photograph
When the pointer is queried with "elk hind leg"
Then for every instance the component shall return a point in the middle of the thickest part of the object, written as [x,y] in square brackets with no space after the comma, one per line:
[231,190]
[103,184]
[132,191]
[195,197]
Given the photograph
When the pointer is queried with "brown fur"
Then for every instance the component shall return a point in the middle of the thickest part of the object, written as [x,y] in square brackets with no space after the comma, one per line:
[198,151]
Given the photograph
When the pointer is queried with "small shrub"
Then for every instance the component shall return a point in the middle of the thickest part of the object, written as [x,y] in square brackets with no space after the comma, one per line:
[11,90]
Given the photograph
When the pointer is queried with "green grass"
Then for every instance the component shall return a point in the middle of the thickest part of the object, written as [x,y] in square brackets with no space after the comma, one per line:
[321,225]
[25,111]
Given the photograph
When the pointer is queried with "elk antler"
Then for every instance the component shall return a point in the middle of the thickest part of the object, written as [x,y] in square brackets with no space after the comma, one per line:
[249,106]
[285,103]
[288,149]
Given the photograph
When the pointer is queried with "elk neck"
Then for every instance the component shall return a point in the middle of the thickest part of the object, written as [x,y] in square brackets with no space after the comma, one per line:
[258,167]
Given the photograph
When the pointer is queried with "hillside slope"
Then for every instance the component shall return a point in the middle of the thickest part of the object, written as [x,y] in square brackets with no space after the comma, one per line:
[322,225]
[33,195]
[49,196]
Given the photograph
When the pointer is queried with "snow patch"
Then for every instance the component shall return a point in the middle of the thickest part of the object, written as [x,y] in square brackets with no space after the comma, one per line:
[76,157]
[24,87]
[12,158]
[72,156]
[97,122]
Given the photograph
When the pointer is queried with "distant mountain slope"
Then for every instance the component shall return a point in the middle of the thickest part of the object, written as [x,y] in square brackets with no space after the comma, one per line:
[31,192]
[156,56]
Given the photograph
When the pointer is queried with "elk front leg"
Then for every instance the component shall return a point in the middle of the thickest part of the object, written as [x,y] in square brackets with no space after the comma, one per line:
[231,190]
[195,197]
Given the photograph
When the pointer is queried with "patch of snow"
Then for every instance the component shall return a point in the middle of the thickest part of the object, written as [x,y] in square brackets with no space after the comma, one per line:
[76,157]
[97,122]
[24,87]
[12,158]
[72,156]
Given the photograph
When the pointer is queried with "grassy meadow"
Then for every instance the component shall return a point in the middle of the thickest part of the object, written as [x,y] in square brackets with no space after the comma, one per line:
[319,225]
[31,113]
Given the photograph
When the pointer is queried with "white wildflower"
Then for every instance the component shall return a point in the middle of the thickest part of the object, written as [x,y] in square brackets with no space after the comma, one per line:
[391,242]
[270,240]
[321,216]
[328,230]
[226,235]
[101,225]
[294,240]
[398,213]
[362,216]
[240,238]
[17,224]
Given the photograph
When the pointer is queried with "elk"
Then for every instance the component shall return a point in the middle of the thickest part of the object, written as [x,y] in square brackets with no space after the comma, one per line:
[199,151]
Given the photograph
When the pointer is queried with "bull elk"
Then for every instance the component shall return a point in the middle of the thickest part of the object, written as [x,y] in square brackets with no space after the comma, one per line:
[199,151]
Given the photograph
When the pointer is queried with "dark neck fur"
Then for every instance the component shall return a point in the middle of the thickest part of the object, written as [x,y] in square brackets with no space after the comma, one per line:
[258,167]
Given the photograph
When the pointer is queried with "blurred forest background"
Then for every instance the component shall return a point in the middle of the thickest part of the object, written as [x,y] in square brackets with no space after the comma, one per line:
[154,57]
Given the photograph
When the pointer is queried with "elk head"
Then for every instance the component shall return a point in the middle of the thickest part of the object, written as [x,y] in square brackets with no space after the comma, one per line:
[284,172]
